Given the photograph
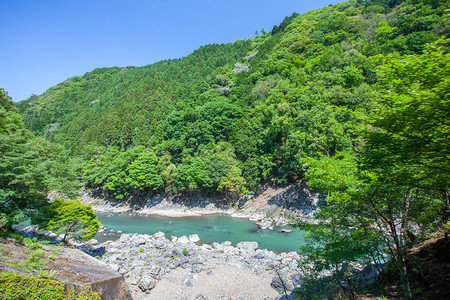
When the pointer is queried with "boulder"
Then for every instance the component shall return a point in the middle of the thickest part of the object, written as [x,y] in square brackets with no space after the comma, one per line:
[183,240]
[277,284]
[265,224]
[194,238]
[92,242]
[202,259]
[234,261]
[260,254]
[217,246]
[293,265]
[146,283]
[159,235]
[80,270]
[247,245]
[195,269]
[178,252]
[189,280]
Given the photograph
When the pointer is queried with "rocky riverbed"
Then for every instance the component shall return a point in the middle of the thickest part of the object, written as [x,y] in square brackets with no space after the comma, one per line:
[156,267]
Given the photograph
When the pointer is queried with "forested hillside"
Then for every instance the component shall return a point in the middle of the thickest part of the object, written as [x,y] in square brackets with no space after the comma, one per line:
[231,117]
[353,98]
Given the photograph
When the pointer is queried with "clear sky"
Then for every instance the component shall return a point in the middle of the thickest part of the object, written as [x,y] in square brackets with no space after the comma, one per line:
[44,42]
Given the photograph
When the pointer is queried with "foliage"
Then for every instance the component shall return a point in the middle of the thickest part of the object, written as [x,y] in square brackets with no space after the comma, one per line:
[233,183]
[34,243]
[10,120]
[20,173]
[382,197]
[29,167]
[16,286]
[162,127]
[410,124]
[69,217]
[302,101]
[35,259]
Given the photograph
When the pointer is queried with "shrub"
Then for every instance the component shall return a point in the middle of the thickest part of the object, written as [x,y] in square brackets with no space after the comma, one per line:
[24,287]
[35,258]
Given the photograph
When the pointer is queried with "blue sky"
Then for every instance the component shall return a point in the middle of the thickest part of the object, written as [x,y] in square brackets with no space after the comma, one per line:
[45,42]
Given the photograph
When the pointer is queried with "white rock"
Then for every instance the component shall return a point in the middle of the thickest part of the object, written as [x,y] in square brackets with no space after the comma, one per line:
[194,238]
[173,238]
[159,235]
[92,242]
[247,245]
[183,240]
[207,247]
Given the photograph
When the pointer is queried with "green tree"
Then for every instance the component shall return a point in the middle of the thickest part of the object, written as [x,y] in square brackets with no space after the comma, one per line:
[70,218]
[360,200]
[233,184]
[10,120]
[192,176]
[395,185]
[22,188]
[143,172]
[410,126]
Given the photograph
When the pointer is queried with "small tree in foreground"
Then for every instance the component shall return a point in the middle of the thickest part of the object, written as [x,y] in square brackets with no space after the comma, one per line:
[70,218]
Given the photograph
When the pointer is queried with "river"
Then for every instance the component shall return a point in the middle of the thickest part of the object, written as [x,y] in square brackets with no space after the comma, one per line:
[210,228]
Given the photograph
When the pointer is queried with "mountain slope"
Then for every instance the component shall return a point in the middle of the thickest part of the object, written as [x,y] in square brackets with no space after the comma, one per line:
[229,117]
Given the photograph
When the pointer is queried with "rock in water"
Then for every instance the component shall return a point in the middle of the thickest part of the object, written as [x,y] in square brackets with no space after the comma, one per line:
[287,230]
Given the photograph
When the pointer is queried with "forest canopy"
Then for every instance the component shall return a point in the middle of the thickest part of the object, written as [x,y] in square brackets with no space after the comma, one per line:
[230,118]
[353,98]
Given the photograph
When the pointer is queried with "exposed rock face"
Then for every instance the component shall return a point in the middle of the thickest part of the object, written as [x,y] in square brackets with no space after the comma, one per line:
[276,206]
[80,269]
[159,257]
[70,266]
[53,126]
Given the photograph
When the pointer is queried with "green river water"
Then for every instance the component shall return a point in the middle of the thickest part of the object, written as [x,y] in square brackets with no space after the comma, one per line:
[211,228]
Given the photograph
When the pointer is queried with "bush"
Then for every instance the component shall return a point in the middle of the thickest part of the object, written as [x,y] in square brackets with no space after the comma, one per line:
[23,287]
[34,260]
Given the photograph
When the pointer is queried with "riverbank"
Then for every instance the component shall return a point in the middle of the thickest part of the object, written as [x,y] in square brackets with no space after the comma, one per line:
[276,206]
[184,268]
